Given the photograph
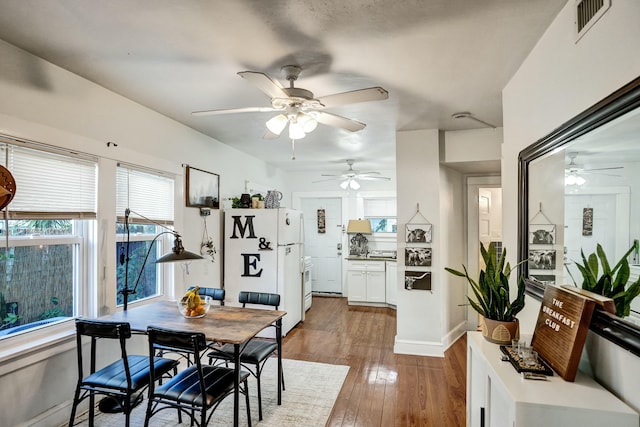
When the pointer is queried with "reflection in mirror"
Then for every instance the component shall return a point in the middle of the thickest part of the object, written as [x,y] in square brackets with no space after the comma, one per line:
[580,187]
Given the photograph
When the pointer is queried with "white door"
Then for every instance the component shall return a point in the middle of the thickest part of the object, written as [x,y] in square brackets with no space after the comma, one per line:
[323,244]
[484,217]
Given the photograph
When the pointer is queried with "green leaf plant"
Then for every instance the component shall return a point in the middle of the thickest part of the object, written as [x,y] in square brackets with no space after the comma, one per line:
[613,282]
[491,290]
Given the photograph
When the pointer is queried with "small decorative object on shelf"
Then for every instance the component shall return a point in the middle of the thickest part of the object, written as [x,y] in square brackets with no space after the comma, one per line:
[272,201]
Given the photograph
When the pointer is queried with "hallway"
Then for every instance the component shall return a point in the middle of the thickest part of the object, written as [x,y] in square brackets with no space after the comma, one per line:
[382,388]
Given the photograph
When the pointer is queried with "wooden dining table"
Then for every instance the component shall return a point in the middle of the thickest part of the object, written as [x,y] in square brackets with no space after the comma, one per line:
[222,324]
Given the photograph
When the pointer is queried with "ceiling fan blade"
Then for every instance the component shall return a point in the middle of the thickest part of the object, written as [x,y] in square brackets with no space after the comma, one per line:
[604,169]
[338,121]
[269,135]
[588,172]
[265,83]
[373,178]
[368,173]
[331,174]
[361,95]
[337,178]
[234,111]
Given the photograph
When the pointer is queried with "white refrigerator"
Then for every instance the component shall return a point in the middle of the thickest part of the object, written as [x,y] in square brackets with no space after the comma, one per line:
[263,252]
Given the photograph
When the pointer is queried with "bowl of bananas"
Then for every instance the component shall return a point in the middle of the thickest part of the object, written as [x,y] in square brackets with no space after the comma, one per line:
[192,305]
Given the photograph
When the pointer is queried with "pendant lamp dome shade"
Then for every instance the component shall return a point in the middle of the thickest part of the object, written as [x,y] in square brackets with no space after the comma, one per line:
[178,253]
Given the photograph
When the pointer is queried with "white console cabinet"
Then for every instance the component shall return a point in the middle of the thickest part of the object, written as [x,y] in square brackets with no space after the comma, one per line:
[497,396]
[366,282]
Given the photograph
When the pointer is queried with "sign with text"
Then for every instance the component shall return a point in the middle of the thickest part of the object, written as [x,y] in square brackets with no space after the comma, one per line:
[561,329]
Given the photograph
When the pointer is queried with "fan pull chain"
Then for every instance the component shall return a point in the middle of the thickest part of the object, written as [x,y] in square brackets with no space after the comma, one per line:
[293,149]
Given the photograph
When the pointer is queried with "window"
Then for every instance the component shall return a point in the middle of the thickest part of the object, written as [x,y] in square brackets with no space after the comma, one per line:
[45,249]
[149,197]
[381,212]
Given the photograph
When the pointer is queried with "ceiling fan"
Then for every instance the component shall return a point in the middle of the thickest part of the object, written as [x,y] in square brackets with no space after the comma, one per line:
[351,176]
[573,172]
[298,107]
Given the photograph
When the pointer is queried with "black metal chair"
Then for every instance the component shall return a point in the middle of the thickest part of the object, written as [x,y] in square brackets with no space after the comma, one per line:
[195,389]
[123,380]
[215,294]
[256,352]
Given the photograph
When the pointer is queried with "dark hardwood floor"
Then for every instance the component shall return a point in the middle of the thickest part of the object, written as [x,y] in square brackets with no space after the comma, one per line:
[382,388]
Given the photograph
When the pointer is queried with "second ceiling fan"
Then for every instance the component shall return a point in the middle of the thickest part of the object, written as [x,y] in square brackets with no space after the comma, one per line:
[298,108]
[351,176]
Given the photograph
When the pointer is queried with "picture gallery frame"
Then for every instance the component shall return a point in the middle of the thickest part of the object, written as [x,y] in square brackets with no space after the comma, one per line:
[542,234]
[417,280]
[417,257]
[202,188]
[418,233]
[542,259]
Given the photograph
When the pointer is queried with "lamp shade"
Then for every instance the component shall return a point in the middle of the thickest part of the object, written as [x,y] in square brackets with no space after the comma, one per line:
[178,253]
[277,124]
[362,226]
[296,131]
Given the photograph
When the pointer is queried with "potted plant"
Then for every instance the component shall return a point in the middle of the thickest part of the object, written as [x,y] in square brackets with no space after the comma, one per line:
[613,282]
[492,300]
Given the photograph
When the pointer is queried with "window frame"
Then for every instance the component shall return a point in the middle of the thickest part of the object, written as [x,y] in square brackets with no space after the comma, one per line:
[163,278]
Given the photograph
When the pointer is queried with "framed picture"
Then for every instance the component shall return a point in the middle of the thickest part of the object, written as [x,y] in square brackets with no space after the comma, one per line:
[542,234]
[418,233]
[203,189]
[417,280]
[417,257]
[545,279]
[542,259]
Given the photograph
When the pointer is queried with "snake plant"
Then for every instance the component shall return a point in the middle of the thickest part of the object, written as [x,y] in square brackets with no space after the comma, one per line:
[491,290]
[613,282]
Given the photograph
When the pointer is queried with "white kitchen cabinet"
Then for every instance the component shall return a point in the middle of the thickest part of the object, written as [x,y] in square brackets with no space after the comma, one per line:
[366,282]
[392,282]
[497,396]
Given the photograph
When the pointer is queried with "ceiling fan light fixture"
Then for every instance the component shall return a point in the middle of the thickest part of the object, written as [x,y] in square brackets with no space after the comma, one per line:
[277,124]
[574,179]
[344,184]
[308,123]
[296,131]
[354,185]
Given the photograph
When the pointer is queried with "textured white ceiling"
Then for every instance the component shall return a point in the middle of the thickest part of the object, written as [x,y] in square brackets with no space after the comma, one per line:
[435,57]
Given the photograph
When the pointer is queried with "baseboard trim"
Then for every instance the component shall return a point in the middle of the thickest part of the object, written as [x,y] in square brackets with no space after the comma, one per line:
[418,348]
[454,335]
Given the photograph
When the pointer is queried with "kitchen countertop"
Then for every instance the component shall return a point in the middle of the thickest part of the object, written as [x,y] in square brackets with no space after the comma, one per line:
[362,258]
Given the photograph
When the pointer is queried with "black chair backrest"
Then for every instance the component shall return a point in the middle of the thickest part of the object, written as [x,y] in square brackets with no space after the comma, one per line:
[97,329]
[259,298]
[179,340]
[215,293]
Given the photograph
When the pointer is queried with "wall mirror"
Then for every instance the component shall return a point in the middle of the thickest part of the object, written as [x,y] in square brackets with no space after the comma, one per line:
[578,187]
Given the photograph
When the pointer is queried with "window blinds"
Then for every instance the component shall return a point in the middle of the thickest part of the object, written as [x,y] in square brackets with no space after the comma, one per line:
[145,194]
[50,185]
[380,207]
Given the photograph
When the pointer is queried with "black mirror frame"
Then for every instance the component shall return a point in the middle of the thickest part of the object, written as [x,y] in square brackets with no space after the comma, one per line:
[622,101]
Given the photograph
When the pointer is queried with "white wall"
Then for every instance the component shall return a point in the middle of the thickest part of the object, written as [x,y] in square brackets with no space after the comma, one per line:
[558,80]
[424,318]
[45,103]
[452,247]
[472,145]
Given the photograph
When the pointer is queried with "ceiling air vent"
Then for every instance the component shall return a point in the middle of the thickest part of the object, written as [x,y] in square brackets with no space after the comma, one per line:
[587,13]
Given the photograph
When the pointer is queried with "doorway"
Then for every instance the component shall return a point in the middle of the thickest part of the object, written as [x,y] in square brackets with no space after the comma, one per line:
[484,224]
[323,242]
